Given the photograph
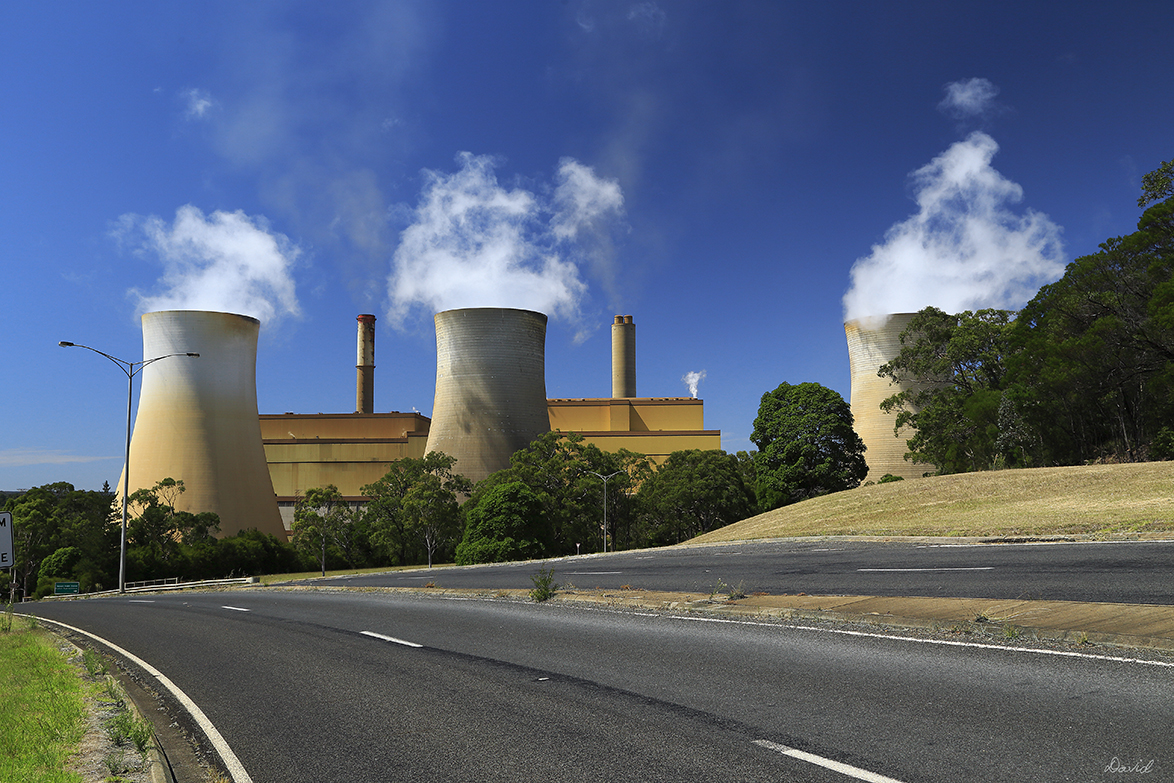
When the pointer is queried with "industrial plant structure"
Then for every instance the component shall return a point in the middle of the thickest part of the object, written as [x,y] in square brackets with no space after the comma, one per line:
[490,401]
[197,420]
[872,343]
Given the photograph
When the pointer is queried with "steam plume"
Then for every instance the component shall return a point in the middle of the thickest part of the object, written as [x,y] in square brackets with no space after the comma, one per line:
[475,244]
[693,380]
[227,262]
[964,249]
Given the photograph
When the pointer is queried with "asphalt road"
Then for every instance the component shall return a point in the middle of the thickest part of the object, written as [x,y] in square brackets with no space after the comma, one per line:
[1119,572]
[501,691]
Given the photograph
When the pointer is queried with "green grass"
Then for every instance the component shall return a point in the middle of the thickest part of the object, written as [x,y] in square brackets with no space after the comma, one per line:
[1094,500]
[268,579]
[42,709]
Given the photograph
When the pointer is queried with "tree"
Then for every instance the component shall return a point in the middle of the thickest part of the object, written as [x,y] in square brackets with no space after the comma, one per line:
[954,367]
[563,471]
[506,524]
[432,513]
[319,519]
[806,445]
[394,526]
[693,492]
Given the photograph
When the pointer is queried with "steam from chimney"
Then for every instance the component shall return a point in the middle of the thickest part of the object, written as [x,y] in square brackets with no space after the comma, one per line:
[693,380]
[473,243]
[226,262]
[964,249]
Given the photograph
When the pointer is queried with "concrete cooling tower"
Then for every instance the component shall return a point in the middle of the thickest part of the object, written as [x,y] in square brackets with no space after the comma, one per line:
[490,386]
[873,342]
[198,422]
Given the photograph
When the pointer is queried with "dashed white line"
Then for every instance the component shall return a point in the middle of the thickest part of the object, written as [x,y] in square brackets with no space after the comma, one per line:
[236,608]
[835,766]
[391,639]
[961,568]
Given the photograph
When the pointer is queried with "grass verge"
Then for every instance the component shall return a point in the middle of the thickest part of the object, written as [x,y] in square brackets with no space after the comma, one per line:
[42,709]
[1093,500]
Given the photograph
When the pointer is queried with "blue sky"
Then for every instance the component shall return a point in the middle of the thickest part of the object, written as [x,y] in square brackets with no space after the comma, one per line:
[715,169]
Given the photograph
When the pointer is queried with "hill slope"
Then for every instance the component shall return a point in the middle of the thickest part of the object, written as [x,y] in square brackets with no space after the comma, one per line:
[1091,499]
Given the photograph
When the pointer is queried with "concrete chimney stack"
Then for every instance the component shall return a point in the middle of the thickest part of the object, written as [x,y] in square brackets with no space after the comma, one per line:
[873,342]
[490,386]
[197,419]
[365,366]
[623,357]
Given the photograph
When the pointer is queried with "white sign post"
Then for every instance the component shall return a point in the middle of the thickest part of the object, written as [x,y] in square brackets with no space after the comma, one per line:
[7,559]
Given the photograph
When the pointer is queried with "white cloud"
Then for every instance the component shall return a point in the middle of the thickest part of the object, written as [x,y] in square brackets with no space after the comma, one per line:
[226,262]
[473,243]
[20,457]
[964,249]
[199,103]
[969,98]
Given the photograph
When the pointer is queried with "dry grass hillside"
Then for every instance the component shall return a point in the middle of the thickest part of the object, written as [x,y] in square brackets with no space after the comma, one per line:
[1100,500]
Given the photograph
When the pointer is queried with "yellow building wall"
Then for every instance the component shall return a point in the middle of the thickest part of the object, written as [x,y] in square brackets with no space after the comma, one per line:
[351,450]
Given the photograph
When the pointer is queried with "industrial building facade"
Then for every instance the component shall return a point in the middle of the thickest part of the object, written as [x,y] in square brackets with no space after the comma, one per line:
[351,450]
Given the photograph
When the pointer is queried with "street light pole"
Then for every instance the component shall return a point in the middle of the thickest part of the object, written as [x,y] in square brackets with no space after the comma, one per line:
[605,478]
[131,369]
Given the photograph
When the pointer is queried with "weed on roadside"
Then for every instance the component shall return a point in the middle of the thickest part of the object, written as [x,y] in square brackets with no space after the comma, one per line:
[544,586]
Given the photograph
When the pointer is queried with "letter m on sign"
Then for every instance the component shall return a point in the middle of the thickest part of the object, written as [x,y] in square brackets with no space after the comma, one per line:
[6,559]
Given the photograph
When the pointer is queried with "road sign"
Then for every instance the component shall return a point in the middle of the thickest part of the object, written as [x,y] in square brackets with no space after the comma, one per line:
[66,588]
[6,555]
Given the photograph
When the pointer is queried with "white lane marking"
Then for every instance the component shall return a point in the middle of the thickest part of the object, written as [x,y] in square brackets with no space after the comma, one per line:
[835,766]
[964,568]
[391,639]
[943,642]
[591,573]
[139,601]
[236,609]
[235,768]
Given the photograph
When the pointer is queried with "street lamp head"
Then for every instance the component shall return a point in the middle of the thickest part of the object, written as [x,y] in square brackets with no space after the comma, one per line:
[64,344]
[195,355]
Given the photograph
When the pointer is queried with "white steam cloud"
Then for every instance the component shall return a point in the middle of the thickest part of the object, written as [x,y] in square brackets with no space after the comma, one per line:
[474,243]
[964,249]
[226,262]
[969,98]
[693,380]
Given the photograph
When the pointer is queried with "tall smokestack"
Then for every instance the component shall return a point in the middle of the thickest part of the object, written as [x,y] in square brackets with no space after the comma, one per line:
[365,366]
[197,419]
[490,386]
[873,342]
[623,357]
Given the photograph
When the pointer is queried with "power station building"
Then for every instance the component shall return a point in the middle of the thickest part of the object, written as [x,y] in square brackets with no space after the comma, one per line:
[490,401]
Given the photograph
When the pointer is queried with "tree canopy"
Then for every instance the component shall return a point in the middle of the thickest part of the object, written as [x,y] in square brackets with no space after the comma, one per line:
[806,445]
[693,492]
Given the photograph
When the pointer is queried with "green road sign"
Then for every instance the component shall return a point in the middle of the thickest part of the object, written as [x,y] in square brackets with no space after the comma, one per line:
[66,588]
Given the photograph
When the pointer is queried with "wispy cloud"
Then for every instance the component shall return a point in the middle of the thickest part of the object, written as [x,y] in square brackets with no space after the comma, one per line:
[226,261]
[198,103]
[969,98]
[18,457]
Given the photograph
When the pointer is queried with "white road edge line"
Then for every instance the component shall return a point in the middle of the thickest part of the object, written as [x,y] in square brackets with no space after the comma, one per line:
[835,766]
[236,609]
[942,642]
[391,639]
[235,768]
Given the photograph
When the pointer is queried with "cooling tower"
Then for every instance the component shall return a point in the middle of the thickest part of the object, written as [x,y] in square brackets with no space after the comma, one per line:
[873,342]
[623,357]
[365,366]
[197,419]
[490,387]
